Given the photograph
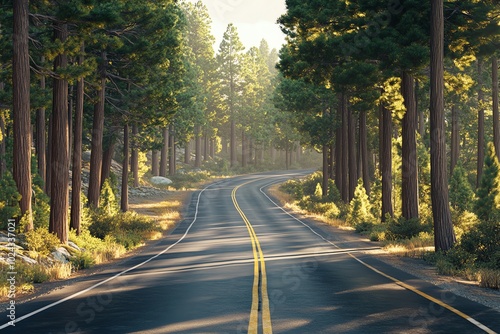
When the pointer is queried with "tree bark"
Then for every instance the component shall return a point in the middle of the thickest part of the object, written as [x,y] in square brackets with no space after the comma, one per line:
[124,197]
[155,161]
[197,161]
[409,184]
[353,175]
[187,153]
[496,116]
[134,163]
[455,139]
[107,160]
[363,146]
[76,180]
[232,144]
[40,141]
[444,236]
[338,152]
[21,109]
[386,161]
[60,152]
[172,152]
[49,159]
[345,153]
[97,135]
[324,183]
[164,153]
[244,149]
[480,124]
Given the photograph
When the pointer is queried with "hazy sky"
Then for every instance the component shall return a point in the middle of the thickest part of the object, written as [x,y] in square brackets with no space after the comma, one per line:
[254,19]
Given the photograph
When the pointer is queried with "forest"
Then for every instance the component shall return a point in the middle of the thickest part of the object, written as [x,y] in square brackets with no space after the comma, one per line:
[400,97]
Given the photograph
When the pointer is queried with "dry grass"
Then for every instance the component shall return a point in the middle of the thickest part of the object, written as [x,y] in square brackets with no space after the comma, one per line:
[416,247]
[489,278]
[164,210]
[288,203]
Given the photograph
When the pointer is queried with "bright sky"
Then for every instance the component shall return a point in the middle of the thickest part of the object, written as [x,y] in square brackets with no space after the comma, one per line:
[254,19]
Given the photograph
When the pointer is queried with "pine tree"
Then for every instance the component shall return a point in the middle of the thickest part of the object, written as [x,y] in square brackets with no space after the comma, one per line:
[230,62]
[360,210]
[487,203]
[461,193]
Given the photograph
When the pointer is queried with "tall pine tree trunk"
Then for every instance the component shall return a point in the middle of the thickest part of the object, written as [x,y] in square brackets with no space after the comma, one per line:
[124,197]
[187,153]
[171,152]
[134,163]
[363,147]
[480,123]
[353,175]
[21,109]
[155,163]
[344,191]
[496,116]
[40,141]
[197,149]
[107,159]
[164,153]
[444,236]
[76,180]
[244,148]
[409,184]
[97,135]
[232,144]
[386,161]
[455,139]
[60,152]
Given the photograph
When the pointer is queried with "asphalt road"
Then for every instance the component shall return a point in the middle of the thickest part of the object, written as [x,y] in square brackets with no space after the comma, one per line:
[240,264]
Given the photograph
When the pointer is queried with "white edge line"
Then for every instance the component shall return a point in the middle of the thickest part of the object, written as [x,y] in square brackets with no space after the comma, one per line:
[470,319]
[10,323]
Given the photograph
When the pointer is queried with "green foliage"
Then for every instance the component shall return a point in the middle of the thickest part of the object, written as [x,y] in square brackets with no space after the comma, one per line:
[360,207]
[461,193]
[9,200]
[107,201]
[127,229]
[484,242]
[463,221]
[41,241]
[488,199]
[41,208]
[403,228]
[187,180]
[82,260]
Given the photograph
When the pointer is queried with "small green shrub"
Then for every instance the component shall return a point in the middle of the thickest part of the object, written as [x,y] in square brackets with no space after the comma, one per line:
[82,260]
[363,227]
[403,228]
[484,242]
[9,200]
[360,207]
[41,241]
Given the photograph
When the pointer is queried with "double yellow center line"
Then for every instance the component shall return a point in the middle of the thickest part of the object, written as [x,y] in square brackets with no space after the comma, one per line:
[259,290]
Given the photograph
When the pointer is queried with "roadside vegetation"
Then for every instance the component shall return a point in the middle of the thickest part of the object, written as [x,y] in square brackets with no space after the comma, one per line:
[476,255]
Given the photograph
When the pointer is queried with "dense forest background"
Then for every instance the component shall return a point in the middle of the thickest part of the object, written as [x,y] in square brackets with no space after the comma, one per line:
[399,96]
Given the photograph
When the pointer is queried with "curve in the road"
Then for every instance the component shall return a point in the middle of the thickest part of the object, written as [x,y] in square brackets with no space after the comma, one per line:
[406,286]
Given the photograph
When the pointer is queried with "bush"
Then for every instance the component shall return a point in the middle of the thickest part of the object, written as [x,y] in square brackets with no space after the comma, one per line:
[9,200]
[360,207]
[484,242]
[127,229]
[403,228]
[82,260]
[41,241]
